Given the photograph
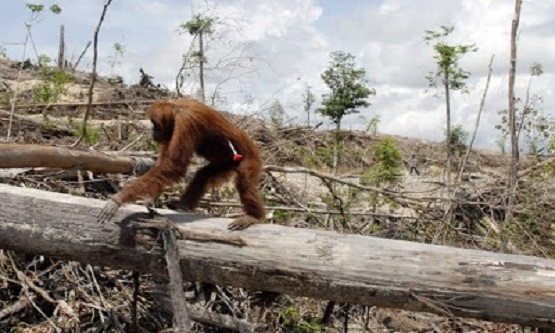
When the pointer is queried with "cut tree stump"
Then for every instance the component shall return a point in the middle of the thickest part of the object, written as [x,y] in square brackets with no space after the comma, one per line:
[302,262]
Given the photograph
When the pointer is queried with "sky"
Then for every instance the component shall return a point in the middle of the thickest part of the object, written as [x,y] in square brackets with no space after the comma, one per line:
[263,51]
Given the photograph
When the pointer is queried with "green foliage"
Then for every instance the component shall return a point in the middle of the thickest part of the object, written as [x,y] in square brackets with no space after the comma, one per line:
[53,88]
[372,126]
[54,82]
[281,216]
[55,9]
[534,128]
[457,140]
[308,101]
[44,60]
[325,154]
[347,85]
[92,136]
[36,9]
[152,145]
[388,163]
[3,51]
[348,92]
[447,59]
[291,319]
[199,24]
[48,123]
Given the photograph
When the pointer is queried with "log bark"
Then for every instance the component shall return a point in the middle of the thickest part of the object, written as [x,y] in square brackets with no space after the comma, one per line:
[320,264]
[35,156]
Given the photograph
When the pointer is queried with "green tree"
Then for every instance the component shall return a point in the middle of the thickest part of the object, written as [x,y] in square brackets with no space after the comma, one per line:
[308,101]
[386,169]
[387,163]
[458,138]
[53,85]
[533,127]
[448,75]
[200,26]
[532,123]
[348,92]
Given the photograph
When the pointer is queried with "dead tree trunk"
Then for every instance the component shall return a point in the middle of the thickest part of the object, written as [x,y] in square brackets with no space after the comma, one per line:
[34,156]
[61,49]
[302,262]
[513,167]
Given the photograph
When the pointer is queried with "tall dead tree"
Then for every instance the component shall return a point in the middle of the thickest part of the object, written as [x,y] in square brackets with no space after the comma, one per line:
[61,48]
[200,26]
[94,74]
[513,167]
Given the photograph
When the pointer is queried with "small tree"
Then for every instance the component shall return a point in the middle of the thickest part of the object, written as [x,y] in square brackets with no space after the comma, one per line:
[308,101]
[35,12]
[448,75]
[372,126]
[536,123]
[94,75]
[348,92]
[532,126]
[386,169]
[387,164]
[53,84]
[199,27]
[114,58]
[276,113]
[457,140]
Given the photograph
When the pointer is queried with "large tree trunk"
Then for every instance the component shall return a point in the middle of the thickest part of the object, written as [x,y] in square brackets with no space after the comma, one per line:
[303,262]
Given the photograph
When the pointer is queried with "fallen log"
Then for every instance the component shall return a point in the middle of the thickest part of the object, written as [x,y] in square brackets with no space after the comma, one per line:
[320,264]
[79,104]
[36,122]
[64,124]
[35,156]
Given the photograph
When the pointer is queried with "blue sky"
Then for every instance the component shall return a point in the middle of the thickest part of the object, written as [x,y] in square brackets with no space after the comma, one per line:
[285,44]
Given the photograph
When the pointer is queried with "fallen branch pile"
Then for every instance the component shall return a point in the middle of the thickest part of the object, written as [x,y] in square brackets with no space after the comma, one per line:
[318,264]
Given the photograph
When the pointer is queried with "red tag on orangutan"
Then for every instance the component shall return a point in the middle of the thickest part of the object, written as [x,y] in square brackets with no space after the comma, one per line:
[236,157]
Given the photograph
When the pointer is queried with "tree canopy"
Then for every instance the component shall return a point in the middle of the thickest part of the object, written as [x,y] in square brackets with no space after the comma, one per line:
[348,87]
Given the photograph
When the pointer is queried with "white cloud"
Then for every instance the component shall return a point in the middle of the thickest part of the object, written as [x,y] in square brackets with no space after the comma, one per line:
[290,40]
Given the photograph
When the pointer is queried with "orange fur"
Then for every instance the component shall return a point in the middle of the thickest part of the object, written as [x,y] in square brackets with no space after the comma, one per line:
[194,127]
